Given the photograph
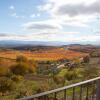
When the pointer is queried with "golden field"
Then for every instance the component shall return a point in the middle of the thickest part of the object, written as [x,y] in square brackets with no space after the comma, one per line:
[52,54]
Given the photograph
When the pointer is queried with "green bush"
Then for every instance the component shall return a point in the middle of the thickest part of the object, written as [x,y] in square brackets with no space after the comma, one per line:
[63,72]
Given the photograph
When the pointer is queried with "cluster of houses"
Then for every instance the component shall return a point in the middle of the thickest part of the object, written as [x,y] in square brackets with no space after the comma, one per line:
[70,64]
[67,65]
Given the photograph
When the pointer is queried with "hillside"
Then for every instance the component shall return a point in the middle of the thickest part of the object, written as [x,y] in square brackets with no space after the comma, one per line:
[82,48]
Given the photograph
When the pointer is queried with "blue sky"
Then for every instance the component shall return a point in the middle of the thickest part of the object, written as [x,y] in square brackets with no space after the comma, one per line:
[50,20]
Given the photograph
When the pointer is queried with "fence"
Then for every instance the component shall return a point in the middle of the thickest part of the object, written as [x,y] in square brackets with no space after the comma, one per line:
[86,90]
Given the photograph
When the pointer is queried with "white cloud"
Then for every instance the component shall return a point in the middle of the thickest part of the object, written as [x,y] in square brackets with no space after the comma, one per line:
[33,16]
[47,26]
[78,9]
[62,36]
[10,36]
[12,7]
[73,12]
[17,16]
[38,14]
[14,14]
[62,2]
[46,7]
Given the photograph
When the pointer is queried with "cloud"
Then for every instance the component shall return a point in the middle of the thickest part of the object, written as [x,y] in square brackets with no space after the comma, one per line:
[88,38]
[62,2]
[36,36]
[72,12]
[3,35]
[14,14]
[17,16]
[33,15]
[38,14]
[12,36]
[62,36]
[46,7]
[42,26]
[79,9]
[12,7]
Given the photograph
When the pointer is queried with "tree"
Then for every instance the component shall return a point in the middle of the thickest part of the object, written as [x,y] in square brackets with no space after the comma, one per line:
[21,58]
[20,68]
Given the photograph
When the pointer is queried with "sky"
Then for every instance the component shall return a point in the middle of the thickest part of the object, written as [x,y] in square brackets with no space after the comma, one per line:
[50,20]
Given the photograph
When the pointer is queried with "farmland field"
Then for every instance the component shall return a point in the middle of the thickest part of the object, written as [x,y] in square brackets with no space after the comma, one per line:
[54,54]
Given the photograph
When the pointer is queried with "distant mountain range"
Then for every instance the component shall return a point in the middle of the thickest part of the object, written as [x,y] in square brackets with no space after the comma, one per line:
[16,43]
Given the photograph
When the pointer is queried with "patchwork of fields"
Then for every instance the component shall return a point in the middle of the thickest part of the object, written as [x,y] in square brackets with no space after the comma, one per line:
[54,54]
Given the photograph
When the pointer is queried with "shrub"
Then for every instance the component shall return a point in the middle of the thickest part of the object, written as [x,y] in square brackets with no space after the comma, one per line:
[90,72]
[73,74]
[26,88]
[17,78]
[4,71]
[20,69]
[59,80]
[33,65]
[69,75]
[6,85]
[21,58]
[63,72]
